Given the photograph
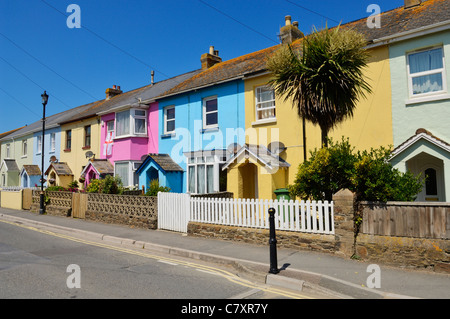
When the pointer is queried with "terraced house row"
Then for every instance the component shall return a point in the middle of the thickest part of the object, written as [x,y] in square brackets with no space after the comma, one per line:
[222,128]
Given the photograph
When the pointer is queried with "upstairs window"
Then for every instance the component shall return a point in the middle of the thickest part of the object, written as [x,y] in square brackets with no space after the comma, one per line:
[426,73]
[169,119]
[68,140]
[131,122]
[265,103]
[210,113]
[52,142]
[87,136]
[24,148]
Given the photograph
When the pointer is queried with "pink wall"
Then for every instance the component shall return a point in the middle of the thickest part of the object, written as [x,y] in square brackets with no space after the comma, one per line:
[132,148]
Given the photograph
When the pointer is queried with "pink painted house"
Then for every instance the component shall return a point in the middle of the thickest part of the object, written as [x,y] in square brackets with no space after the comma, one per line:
[130,126]
[127,135]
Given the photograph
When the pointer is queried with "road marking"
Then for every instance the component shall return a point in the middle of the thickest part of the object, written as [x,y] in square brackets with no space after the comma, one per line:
[225,274]
[167,262]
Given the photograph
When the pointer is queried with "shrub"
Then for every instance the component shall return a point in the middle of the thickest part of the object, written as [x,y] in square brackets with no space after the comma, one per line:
[154,188]
[108,185]
[94,186]
[367,173]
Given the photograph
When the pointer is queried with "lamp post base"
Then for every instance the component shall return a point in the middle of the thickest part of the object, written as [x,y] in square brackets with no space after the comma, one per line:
[41,208]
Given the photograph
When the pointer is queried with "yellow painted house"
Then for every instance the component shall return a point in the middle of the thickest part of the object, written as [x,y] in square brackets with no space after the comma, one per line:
[256,173]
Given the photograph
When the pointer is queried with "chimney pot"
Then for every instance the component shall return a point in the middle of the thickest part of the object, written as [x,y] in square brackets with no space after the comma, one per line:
[211,50]
[288,20]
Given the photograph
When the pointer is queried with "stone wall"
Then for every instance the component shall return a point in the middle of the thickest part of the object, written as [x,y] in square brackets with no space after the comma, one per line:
[59,203]
[135,211]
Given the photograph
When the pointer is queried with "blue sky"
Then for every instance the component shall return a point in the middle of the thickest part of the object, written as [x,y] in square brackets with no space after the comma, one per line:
[121,41]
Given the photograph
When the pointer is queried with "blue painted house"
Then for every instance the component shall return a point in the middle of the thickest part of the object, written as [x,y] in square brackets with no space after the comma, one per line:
[198,121]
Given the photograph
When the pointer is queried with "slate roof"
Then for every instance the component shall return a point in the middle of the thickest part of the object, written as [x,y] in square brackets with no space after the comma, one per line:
[162,160]
[132,97]
[400,20]
[60,169]
[392,22]
[10,164]
[32,170]
[102,166]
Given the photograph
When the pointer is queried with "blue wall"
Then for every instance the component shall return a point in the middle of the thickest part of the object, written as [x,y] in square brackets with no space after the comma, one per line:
[190,135]
[37,159]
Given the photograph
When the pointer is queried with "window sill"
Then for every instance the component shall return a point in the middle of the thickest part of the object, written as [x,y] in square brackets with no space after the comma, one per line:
[209,129]
[168,135]
[265,121]
[67,150]
[86,148]
[130,135]
[430,98]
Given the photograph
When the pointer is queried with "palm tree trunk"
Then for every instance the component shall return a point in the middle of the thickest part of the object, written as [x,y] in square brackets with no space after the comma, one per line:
[324,132]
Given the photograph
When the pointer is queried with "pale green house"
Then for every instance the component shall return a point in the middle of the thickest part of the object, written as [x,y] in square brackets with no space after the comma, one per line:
[420,75]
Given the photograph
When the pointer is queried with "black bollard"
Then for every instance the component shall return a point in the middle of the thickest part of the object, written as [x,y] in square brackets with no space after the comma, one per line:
[273,243]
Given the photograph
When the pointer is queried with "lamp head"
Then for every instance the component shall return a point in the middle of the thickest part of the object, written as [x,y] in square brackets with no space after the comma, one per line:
[44,98]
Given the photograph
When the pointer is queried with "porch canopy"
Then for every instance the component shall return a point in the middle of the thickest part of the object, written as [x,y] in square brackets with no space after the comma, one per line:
[426,154]
[161,167]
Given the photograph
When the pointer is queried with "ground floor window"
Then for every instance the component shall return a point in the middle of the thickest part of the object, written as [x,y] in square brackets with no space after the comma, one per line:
[127,172]
[204,173]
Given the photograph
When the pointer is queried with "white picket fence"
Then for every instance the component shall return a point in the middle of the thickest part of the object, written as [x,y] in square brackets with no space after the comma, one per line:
[299,216]
[176,210]
[173,211]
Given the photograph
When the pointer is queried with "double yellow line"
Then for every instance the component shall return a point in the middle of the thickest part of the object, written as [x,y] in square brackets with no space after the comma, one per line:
[217,271]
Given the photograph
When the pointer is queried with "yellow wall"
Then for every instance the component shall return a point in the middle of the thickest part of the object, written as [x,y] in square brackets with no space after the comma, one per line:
[371,125]
[76,157]
[12,200]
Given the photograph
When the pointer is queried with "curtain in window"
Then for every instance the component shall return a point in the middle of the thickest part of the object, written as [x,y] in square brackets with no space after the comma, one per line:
[426,61]
[122,172]
[427,83]
[192,179]
[201,179]
[210,178]
[139,126]
[123,123]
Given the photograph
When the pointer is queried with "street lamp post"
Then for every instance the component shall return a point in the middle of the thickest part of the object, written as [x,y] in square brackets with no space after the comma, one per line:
[44,103]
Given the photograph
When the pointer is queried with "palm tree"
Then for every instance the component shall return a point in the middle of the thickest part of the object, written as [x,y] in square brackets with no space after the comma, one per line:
[324,78]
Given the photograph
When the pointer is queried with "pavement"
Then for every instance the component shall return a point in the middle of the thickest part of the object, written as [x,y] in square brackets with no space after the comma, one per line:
[327,274]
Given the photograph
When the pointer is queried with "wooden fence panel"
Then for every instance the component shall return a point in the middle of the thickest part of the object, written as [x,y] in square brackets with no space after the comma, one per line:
[407,220]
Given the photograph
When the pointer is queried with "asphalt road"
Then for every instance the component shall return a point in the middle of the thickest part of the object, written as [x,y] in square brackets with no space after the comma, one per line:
[45,265]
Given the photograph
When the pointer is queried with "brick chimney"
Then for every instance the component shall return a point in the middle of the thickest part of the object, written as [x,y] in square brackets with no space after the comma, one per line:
[412,3]
[210,59]
[113,92]
[290,32]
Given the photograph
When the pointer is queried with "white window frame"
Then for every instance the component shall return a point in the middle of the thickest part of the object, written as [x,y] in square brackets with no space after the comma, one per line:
[132,167]
[132,123]
[52,142]
[24,148]
[424,73]
[39,144]
[205,100]
[8,150]
[258,109]
[206,160]
[166,120]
